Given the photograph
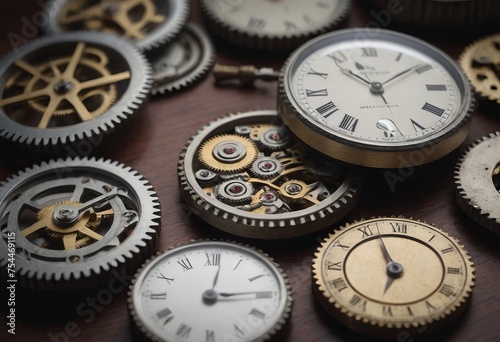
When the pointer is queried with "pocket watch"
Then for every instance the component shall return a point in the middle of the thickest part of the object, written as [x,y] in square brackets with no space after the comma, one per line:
[387,275]
[75,222]
[210,291]
[375,98]
[273,25]
[146,23]
[477,182]
[244,174]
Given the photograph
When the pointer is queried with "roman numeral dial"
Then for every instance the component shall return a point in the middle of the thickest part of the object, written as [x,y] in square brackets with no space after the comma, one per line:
[208,290]
[395,271]
[374,102]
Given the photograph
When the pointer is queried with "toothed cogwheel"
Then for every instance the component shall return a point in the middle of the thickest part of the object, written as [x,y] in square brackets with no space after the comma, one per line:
[266,167]
[481,63]
[477,182]
[274,138]
[227,153]
[234,191]
[274,196]
[148,24]
[75,222]
[70,88]
[182,62]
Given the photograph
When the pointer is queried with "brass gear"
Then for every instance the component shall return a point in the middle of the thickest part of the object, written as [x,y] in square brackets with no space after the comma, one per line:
[93,60]
[132,19]
[481,63]
[77,235]
[293,190]
[227,153]
[61,86]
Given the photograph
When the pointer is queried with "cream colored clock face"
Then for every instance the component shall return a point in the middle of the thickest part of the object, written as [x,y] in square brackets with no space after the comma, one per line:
[276,17]
[392,272]
[375,92]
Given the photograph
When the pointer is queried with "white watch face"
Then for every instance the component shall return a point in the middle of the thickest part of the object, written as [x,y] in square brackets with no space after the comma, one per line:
[276,17]
[210,291]
[376,92]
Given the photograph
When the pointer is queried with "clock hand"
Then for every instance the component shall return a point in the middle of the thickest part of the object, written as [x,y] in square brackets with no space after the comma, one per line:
[401,73]
[69,213]
[351,74]
[258,294]
[394,269]
[216,276]
[384,248]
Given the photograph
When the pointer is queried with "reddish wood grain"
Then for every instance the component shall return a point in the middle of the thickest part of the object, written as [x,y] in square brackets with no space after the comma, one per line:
[152,143]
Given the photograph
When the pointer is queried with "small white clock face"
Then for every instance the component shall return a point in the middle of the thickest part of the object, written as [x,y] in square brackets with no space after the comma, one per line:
[375,91]
[276,17]
[211,291]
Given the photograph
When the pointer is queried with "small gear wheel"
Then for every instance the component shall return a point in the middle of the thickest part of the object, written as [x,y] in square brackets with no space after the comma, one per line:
[227,153]
[244,188]
[182,62]
[293,190]
[266,167]
[271,137]
[148,24]
[73,87]
[234,191]
[481,63]
[75,222]
[477,182]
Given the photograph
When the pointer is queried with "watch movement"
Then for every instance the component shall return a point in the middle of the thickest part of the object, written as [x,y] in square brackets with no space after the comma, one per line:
[75,221]
[244,174]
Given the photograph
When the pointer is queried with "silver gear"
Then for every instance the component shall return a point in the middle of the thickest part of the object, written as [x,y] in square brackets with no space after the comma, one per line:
[477,182]
[274,138]
[148,24]
[266,167]
[234,191]
[183,61]
[28,74]
[58,247]
[319,202]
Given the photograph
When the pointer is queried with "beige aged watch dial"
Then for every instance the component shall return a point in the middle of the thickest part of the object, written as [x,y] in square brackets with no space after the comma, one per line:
[384,276]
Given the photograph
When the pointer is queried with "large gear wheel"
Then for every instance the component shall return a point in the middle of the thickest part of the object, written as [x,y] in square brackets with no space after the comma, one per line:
[276,196]
[148,24]
[481,63]
[227,153]
[477,182]
[75,221]
[73,87]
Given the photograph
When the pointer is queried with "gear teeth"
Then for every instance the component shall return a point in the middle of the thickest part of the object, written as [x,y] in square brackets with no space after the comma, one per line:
[475,191]
[207,157]
[41,268]
[484,80]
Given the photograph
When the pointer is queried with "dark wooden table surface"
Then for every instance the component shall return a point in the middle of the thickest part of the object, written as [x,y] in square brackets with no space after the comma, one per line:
[152,145]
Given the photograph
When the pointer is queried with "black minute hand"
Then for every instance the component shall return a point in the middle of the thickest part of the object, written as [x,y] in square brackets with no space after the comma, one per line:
[401,73]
